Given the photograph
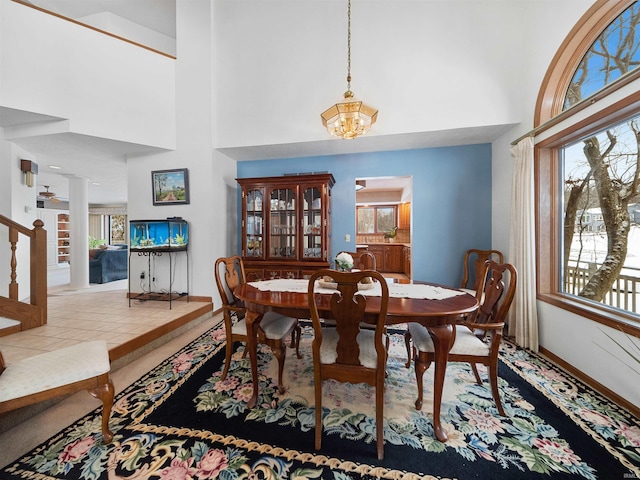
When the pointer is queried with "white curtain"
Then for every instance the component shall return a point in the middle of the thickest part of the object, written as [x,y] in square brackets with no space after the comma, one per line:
[523,315]
[95,226]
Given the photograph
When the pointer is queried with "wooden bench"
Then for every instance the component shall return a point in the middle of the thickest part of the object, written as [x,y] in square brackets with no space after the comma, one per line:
[84,366]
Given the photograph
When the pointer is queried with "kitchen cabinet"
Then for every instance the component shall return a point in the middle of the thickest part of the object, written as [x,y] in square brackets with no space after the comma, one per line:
[378,252]
[406,260]
[393,258]
[404,215]
[286,225]
[389,257]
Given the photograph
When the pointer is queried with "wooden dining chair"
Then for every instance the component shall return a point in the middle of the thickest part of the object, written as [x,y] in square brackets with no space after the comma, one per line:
[274,328]
[473,268]
[346,352]
[478,339]
[361,261]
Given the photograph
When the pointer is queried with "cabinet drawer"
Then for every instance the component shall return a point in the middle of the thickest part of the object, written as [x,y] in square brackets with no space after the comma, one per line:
[271,273]
[254,274]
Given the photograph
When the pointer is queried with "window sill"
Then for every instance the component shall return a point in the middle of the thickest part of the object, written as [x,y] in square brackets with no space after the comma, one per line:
[610,317]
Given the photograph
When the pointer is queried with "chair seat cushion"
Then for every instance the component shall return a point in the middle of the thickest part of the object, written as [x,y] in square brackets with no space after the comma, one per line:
[274,325]
[368,356]
[466,342]
[54,369]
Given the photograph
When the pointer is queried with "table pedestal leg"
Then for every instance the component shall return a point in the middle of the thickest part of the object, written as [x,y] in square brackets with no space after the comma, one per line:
[252,320]
[441,336]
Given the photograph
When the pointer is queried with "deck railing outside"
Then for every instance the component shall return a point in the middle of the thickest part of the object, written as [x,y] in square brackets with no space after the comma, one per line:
[624,293]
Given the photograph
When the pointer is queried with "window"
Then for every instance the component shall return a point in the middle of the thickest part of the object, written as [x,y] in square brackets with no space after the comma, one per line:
[614,53]
[587,174]
[601,226]
[378,219]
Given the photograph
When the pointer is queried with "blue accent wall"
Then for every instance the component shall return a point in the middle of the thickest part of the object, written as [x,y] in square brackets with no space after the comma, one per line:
[451,205]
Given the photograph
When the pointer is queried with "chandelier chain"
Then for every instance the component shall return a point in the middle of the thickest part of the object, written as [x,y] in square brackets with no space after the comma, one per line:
[350,117]
[349,45]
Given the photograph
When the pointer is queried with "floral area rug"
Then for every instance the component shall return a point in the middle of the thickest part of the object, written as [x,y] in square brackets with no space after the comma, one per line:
[180,421]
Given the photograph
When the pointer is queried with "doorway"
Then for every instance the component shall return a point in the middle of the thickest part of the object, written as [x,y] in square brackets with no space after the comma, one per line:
[383,222]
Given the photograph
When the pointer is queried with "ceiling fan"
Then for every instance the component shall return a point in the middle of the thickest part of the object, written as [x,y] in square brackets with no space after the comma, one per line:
[47,195]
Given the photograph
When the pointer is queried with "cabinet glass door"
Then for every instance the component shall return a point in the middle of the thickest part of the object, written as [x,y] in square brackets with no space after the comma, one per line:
[282,221]
[254,234]
[312,223]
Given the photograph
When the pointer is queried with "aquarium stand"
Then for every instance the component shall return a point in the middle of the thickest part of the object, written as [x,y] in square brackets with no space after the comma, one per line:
[168,296]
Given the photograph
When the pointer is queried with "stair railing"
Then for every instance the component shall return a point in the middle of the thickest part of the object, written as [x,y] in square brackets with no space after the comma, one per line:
[33,314]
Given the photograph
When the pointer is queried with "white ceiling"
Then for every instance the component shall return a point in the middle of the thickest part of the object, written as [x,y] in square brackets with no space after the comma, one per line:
[385,190]
[103,161]
[99,160]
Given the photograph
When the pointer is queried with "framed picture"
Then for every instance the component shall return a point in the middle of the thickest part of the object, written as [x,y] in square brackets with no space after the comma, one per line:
[170,187]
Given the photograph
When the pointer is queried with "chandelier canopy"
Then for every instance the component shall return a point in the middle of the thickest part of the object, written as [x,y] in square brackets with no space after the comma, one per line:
[350,117]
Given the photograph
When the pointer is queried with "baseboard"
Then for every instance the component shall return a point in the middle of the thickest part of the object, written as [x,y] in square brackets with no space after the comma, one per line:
[580,375]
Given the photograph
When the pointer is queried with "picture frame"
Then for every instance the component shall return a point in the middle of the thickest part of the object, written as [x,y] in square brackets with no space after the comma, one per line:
[170,187]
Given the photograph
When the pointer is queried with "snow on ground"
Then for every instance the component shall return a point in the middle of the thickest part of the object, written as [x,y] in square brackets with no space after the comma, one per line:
[594,248]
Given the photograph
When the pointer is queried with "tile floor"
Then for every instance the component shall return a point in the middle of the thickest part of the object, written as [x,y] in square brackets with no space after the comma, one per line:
[139,336]
[95,314]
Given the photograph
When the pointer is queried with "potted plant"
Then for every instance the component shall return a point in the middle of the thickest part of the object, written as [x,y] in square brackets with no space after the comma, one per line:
[632,351]
[95,242]
[390,235]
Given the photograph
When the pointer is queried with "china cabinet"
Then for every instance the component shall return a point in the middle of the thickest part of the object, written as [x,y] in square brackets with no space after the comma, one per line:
[286,225]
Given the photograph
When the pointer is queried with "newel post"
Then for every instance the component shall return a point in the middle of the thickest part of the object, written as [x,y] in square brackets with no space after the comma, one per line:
[39,269]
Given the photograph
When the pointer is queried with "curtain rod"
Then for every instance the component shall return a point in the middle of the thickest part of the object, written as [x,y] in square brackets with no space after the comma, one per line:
[557,119]
[581,105]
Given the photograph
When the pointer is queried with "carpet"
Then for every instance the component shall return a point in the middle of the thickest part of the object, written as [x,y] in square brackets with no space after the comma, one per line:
[179,421]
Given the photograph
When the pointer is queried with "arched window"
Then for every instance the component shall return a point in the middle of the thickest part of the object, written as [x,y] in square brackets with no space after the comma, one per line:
[613,54]
[588,169]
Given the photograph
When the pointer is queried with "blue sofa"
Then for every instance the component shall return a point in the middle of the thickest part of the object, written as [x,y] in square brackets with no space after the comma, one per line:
[108,264]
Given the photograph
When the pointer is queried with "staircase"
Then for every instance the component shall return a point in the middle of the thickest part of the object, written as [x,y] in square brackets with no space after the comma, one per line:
[15,315]
[8,326]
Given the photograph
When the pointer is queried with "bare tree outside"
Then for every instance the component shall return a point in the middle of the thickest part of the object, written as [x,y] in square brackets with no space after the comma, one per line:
[602,172]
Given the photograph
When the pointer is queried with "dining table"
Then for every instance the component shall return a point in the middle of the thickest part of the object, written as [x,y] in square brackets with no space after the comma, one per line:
[435,306]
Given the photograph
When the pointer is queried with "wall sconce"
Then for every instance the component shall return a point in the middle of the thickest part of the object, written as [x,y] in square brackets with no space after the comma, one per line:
[30,169]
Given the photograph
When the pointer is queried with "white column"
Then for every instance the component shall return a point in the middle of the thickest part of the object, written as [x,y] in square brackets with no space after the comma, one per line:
[79,232]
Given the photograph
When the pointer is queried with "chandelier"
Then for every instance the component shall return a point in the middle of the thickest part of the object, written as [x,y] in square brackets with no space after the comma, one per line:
[349,117]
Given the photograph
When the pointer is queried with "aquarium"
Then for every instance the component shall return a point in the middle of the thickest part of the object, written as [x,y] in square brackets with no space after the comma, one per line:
[171,234]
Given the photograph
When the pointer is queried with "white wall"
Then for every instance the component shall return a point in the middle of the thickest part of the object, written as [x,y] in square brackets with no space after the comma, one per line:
[15,199]
[212,211]
[427,66]
[117,90]
[545,26]
[124,28]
